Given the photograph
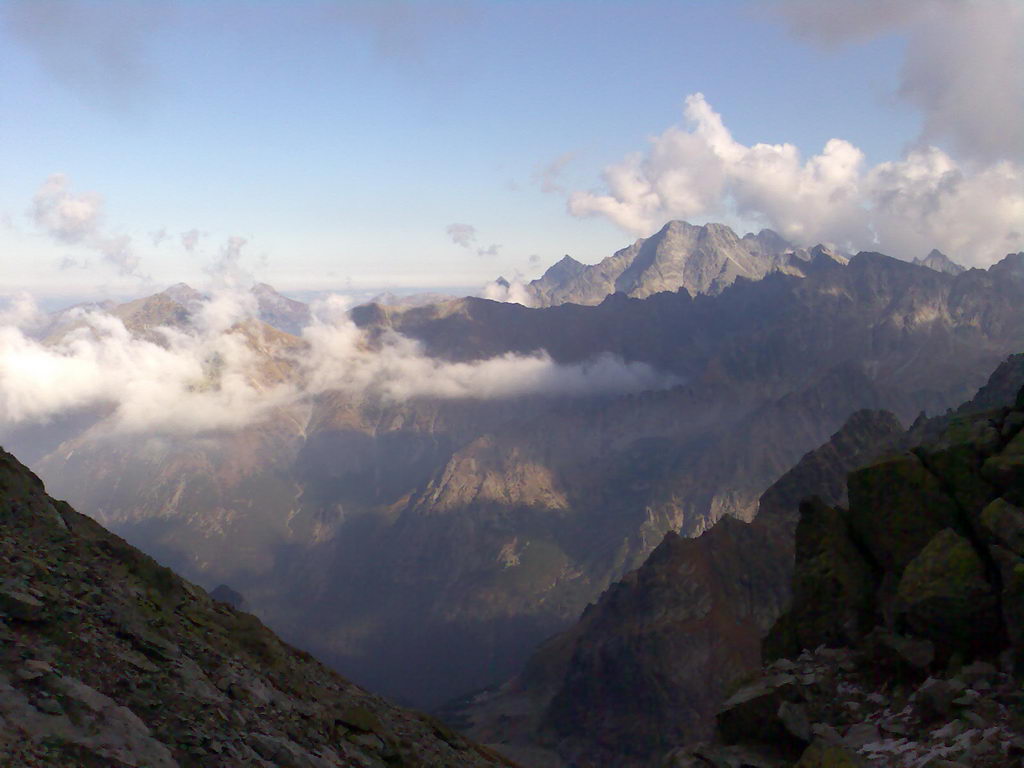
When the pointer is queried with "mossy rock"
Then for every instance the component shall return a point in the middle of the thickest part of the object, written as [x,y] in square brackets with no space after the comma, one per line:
[360,718]
[945,597]
[1006,470]
[822,755]
[1011,571]
[1002,523]
[957,458]
[833,585]
[896,507]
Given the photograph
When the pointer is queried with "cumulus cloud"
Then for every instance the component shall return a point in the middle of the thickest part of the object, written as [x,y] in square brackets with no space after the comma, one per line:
[508,292]
[77,220]
[20,311]
[905,208]
[963,67]
[221,372]
[188,383]
[464,235]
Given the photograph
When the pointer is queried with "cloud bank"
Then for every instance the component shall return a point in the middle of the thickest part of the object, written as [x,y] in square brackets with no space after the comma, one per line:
[903,208]
[223,371]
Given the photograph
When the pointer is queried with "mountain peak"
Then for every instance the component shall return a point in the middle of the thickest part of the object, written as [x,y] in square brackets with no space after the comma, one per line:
[183,293]
[940,262]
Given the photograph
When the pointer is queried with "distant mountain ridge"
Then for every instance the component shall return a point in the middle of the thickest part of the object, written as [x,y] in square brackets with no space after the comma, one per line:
[481,526]
[700,259]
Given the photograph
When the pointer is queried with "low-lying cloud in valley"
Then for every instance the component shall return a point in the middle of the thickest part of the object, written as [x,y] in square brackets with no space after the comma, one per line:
[225,371]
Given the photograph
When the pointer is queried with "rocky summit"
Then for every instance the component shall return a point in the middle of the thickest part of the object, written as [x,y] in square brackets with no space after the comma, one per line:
[109,660]
[904,644]
[680,256]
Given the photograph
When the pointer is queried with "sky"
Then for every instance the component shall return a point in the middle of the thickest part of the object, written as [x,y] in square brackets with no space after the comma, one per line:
[335,145]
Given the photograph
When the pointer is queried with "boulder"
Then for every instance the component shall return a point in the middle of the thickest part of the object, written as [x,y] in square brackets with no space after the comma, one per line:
[1002,523]
[1011,571]
[943,596]
[1006,470]
[957,458]
[893,654]
[896,507]
[821,754]
[833,585]
[756,713]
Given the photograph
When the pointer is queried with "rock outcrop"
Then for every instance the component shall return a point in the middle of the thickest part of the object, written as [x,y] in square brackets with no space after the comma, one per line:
[646,667]
[109,659]
[917,655]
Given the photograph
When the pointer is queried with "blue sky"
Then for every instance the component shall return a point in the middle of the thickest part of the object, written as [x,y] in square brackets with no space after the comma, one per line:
[342,139]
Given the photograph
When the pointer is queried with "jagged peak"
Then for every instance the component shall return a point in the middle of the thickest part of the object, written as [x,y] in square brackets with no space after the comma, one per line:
[940,262]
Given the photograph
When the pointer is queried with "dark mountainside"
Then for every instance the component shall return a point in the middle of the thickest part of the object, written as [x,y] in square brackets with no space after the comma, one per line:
[911,597]
[647,667]
[482,527]
[111,660]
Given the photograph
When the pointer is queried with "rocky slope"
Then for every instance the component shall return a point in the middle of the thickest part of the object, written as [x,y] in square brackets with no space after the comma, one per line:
[109,659]
[911,598]
[482,526]
[700,259]
[648,665]
[645,667]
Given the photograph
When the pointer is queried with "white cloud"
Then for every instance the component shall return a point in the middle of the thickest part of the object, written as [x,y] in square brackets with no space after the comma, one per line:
[222,374]
[925,201]
[76,220]
[189,383]
[508,291]
[398,369]
[64,216]
[963,67]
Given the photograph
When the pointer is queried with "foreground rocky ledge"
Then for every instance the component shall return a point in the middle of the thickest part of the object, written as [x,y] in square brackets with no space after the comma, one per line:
[109,660]
[914,601]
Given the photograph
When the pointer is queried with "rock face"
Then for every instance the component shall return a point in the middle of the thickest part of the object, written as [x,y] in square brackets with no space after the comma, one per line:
[647,666]
[111,659]
[927,678]
[681,256]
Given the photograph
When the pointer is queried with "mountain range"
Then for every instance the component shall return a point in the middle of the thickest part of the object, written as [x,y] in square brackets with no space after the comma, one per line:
[479,526]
